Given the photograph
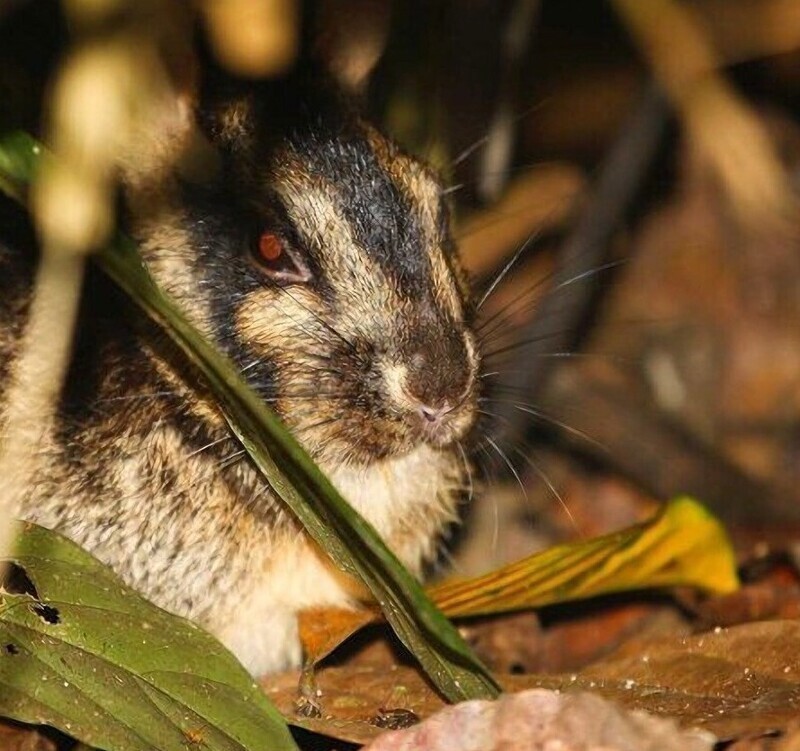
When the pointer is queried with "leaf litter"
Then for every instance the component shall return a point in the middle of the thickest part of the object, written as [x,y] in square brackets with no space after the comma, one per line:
[743,680]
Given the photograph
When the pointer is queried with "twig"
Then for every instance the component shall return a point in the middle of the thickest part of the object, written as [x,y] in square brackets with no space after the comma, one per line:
[656,453]
[570,295]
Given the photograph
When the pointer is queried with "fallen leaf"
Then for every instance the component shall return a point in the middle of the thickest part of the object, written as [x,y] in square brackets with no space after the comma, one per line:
[14,737]
[684,545]
[732,682]
[321,630]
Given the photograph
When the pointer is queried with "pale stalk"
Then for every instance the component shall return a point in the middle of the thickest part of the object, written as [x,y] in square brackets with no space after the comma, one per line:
[36,377]
[718,120]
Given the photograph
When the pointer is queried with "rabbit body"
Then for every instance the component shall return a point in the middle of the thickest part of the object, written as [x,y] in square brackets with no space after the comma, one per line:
[317,256]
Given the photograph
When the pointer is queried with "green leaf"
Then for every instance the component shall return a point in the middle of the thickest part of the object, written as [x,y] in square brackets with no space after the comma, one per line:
[19,155]
[83,652]
[346,536]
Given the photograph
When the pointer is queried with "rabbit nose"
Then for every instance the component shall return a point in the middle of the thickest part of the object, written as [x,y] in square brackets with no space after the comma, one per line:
[437,379]
[434,415]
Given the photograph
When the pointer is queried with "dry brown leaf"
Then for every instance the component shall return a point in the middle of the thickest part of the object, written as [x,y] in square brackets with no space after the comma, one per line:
[773,595]
[16,737]
[323,629]
[788,741]
[352,698]
[732,682]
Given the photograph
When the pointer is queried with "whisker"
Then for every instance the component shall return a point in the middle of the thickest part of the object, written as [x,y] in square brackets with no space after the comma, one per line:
[310,396]
[315,425]
[251,365]
[518,306]
[210,445]
[590,272]
[602,356]
[468,470]
[452,189]
[524,343]
[495,509]
[475,145]
[469,150]
[507,308]
[546,480]
[504,271]
[509,464]
[134,397]
[321,320]
[544,417]
[503,327]
[231,459]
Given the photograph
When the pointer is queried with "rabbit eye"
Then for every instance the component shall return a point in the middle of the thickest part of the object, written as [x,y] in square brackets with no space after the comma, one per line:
[270,247]
[278,260]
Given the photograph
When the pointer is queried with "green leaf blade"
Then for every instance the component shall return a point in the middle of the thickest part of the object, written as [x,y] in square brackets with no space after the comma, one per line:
[116,671]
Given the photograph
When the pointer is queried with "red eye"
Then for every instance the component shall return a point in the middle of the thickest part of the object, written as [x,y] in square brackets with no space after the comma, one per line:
[270,247]
[278,260]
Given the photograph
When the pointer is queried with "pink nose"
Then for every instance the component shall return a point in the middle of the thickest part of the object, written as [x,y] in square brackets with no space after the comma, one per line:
[434,414]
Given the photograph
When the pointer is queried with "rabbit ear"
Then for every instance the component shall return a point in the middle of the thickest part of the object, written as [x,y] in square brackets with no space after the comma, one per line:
[204,115]
[229,121]
[167,135]
[242,115]
[348,38]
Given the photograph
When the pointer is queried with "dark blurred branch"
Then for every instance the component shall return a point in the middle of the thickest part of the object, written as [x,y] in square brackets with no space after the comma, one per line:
[657,454]
[585,250]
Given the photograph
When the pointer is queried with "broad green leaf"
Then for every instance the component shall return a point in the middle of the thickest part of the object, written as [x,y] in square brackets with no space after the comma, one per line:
[81,651]
[683,545]
[348,538]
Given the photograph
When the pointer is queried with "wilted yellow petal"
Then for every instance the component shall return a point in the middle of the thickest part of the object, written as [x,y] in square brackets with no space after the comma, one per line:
[683,546]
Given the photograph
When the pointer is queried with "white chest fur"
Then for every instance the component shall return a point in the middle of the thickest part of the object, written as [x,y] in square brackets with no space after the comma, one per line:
[407,500]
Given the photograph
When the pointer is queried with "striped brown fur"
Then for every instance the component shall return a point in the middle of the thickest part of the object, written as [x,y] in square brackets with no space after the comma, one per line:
[370,360]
